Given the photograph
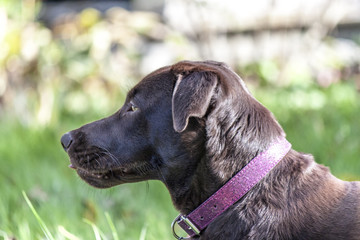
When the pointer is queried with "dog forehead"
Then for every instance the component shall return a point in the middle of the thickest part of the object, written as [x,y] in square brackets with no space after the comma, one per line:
[161,82]
[185,66]
[228,79]
[162,76]
[158,83]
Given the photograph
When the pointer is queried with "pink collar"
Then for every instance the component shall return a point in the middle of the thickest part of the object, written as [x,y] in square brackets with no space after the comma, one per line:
[233,190]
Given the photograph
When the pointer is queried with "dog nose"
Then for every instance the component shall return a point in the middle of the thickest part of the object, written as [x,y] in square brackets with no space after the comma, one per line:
[66,141]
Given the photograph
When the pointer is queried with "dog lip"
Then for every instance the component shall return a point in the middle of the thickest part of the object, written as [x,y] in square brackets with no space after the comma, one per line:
[72,166]
[100,172]
[93,174]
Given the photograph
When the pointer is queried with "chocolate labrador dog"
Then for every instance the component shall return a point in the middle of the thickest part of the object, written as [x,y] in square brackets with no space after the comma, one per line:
[194,126]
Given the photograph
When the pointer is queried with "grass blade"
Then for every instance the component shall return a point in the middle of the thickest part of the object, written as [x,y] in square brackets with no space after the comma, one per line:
[96,230]
[3,234]
[112,226]
[143,233]
[67,234]
[38,218]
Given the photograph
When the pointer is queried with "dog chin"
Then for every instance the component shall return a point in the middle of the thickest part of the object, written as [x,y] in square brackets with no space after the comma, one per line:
[105,179]
[110,178]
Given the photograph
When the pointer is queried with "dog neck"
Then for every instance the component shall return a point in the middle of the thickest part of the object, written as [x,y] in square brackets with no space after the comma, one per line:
[234,189]
[237,135]
[234,136]
[218,161]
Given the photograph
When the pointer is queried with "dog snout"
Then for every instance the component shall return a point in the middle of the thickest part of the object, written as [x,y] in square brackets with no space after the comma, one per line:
[66,141]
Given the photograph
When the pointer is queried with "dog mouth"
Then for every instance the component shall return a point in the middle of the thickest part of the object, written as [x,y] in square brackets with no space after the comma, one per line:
[102,169]
[106,178]
[103,178]
[105,174]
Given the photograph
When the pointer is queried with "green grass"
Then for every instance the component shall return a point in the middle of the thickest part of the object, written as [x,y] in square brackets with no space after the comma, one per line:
[41,198]
[33,162]
[43,226]
[323,122]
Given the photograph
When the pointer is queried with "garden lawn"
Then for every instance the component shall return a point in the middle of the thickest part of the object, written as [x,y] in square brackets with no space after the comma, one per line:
[324,122]
[33,161]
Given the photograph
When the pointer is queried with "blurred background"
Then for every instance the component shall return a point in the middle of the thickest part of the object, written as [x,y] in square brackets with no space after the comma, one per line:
[66,63]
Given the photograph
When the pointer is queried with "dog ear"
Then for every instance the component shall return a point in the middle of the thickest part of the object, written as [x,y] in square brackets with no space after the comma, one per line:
[191,97]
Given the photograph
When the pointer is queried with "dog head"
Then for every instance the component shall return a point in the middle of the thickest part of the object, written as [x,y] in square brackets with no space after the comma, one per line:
[176,119]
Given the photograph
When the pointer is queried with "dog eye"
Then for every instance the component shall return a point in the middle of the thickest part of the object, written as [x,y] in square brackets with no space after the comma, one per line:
[133,108]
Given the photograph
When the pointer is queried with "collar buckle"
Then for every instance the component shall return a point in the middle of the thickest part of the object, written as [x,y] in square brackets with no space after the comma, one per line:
[187,225]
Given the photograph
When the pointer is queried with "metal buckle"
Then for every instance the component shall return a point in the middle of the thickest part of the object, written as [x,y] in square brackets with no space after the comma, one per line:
[188,223]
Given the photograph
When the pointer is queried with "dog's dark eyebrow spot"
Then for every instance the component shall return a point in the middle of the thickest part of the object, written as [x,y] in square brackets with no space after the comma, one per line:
[132,96]
[132,93]
[135,99]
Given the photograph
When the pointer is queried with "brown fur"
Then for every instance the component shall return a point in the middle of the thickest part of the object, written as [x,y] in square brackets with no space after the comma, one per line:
[197,125]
